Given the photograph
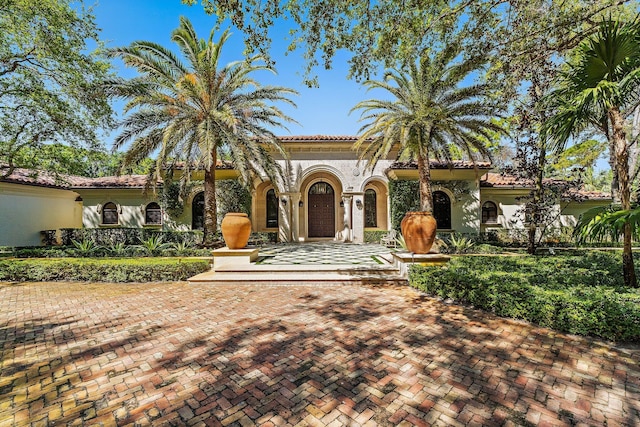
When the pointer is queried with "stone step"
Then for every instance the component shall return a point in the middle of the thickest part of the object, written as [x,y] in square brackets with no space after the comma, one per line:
[300,274]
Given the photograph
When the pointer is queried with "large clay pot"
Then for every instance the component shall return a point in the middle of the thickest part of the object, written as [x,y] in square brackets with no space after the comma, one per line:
[419,231]
[236,228]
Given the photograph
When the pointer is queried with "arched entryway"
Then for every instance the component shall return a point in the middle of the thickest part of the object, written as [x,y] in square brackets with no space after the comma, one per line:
[321,210]
[442,210]
[197,212]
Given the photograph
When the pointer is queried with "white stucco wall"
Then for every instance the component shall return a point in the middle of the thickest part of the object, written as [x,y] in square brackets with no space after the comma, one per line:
[131,205]
[508,207]
[26,210]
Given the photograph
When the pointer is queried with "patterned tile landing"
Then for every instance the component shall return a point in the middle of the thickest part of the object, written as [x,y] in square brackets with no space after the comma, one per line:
[323,253]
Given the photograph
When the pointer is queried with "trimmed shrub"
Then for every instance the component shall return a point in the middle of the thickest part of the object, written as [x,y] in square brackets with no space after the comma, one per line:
[101,270]
[577,294]
[374,236]
[232,196]
[404,196]
[262,238]
[126,236]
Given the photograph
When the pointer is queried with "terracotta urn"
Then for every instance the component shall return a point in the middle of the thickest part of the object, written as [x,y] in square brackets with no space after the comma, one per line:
[419,231]
[236,228]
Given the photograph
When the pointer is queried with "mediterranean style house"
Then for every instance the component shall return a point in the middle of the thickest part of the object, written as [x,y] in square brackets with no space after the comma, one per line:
[329,195]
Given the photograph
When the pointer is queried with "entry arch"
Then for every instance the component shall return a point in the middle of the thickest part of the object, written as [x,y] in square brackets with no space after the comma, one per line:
[321,210]
[376,217]
[318,185]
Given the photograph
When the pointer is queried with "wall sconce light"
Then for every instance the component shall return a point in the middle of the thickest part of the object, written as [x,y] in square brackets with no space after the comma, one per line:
[300,204]
[341,204]
[359,204]
[284,202]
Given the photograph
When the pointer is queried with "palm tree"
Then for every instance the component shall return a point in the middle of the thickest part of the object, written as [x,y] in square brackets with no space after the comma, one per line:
[199,111]
[595,89]
[430,116]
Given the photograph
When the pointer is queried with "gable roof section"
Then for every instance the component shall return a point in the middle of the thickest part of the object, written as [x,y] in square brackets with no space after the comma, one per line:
[505,181]
[124,181]
[38,178]
[437,164]
[318,138]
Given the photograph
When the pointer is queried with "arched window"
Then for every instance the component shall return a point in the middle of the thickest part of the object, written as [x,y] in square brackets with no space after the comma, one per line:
[272,209]
[370,208]
[197,212]
[153,214]
[442,209]
[321,188]
[489,213]
[110,214]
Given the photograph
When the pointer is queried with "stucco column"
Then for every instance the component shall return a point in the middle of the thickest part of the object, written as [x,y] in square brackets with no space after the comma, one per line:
[295,217]
[346,230]
[357,224]
[284,218]
[254,210]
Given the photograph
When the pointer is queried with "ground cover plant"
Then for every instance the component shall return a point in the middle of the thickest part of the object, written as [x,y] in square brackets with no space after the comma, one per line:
[581,294]
[101,270]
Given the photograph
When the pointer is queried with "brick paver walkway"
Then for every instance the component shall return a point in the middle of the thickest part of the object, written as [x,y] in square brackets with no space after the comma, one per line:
[175,354]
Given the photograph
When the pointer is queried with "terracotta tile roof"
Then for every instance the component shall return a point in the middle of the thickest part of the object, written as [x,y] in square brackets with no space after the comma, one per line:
[491,179]
[594,195]
[69,182]
[498,180]
[220,165]
[37,178]
[317,138]
[124,181]
[436,164]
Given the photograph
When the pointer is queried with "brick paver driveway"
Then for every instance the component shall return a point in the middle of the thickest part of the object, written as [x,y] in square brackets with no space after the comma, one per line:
[175,354]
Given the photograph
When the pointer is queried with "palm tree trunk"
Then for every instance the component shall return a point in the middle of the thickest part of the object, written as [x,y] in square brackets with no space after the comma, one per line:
[424,178]
[622,168]
[210,205]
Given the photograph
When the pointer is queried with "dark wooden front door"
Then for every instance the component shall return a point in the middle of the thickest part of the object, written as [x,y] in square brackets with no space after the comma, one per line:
[321,212]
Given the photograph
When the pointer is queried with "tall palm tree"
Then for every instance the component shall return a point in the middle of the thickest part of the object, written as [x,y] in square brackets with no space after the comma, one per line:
[197,111]
[431,116]
[598,85]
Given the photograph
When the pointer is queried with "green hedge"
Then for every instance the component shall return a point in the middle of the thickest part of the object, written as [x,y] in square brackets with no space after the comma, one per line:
[127,235]
[582,295]
[374,236]
[101,270]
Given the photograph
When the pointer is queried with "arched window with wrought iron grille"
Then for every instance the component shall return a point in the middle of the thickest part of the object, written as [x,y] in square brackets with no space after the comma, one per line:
[197,212]
[153,214]
[370,208]
[489,213]
[272,209]
[442,209]
[110,214]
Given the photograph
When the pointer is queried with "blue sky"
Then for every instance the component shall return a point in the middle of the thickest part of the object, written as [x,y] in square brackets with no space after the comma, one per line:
[323,110]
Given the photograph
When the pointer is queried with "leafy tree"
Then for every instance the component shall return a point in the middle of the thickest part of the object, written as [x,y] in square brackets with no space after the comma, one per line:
[48,81]
[430,117]
[598,85]
[582,155]
[602,224]
[71,160]
[514,33]
[199,111]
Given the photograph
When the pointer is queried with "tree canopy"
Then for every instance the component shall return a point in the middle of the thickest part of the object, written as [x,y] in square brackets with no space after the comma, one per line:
[388,32]
[48,77]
